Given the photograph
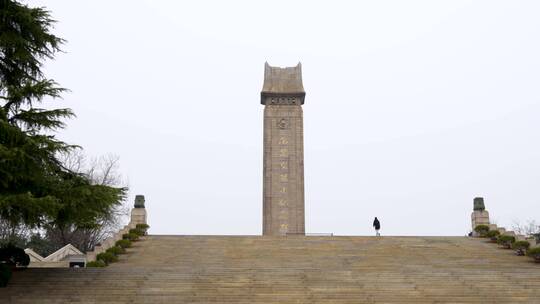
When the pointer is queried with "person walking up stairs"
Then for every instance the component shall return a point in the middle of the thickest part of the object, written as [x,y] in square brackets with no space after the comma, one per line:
[377,226]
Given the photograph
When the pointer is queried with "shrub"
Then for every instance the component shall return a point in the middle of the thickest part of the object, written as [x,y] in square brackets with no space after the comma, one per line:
[482,230]
[506,241]
[97,263]
[493,234]
[14,256]
[143,228]
[534,253]
[123,243]
[5,274]
[521,247]
[116,250]
[130,236]
[133,236]
[107,257]
[136,231]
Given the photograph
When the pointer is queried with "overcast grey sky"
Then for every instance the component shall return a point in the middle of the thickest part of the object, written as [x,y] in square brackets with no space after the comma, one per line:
[413,108]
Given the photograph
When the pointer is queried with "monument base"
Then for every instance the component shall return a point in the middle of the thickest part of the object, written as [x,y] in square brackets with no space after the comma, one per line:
[138,216]
[479,217]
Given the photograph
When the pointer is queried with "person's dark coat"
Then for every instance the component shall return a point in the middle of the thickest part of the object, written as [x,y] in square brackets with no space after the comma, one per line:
[376,224]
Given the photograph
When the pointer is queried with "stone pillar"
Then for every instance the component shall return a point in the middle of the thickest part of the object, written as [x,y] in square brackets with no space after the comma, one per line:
[138,213]
[479,216]
[283,169]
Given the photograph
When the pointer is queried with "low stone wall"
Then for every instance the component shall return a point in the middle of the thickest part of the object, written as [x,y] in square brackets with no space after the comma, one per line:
[480,216]
[138,216]
[60,264]
[519,237]
[109,242]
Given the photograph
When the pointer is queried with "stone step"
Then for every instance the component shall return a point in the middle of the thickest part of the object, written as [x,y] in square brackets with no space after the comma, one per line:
[251,269]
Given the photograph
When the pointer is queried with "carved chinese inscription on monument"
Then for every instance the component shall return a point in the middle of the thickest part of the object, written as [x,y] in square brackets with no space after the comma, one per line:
[284,182]
[283,190]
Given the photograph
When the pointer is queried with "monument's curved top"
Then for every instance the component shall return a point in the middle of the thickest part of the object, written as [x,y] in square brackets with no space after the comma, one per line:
[282,83]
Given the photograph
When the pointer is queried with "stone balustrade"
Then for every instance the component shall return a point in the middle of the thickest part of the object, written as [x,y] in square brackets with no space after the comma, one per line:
[480,216]
[138,216]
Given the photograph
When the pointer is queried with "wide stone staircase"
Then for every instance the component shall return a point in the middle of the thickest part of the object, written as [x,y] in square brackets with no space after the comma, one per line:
[294,269]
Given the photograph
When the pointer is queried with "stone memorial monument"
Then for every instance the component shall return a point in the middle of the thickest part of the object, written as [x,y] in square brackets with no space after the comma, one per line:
[283,171]
[138,213]
[479,216]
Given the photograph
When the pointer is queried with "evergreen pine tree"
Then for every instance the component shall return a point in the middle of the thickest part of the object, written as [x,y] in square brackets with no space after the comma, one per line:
[35,188]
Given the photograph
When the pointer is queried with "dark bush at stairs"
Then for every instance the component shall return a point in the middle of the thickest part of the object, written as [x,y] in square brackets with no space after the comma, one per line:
[482,230]
[534,253]
[130,236]
[123,243]
[521,247]
[107,257]
[506,241]
[5,274]
[98,263]
[493,235]
[116,250]
[13,255]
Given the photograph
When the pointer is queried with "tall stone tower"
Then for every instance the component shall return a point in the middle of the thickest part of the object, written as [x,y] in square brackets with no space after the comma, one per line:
[283,190]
